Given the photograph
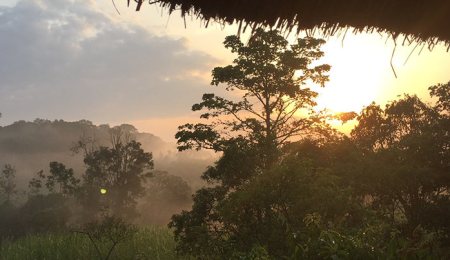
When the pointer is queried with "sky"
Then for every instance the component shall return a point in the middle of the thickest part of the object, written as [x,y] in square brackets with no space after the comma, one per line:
[80,59]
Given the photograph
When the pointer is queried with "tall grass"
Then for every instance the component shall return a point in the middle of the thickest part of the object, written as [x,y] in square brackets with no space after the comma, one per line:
[148,243]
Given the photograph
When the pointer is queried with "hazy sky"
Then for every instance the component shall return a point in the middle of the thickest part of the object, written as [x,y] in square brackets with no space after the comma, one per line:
[79,59]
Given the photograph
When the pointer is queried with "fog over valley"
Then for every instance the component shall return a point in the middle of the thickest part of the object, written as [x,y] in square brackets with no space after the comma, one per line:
[31,146]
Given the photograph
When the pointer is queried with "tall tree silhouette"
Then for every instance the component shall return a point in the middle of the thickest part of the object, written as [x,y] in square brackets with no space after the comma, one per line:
[269,105]
[273,103]
[115,175]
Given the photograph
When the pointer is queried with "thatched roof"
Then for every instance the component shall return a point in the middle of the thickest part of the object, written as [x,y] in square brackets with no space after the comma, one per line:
[420,20]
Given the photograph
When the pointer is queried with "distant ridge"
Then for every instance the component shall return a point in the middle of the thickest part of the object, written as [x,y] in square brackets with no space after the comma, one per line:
[30,146]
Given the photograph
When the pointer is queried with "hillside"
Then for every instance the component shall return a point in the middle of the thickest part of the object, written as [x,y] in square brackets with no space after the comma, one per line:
[30,146]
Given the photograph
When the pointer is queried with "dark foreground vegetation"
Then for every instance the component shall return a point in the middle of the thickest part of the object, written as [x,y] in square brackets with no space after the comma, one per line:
[93,215]
[287,185]
[147,243]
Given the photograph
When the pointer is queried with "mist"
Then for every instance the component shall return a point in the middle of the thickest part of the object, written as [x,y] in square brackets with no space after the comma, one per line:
[29,147]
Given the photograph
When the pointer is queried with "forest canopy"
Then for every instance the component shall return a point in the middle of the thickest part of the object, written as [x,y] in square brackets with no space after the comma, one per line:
[382,192]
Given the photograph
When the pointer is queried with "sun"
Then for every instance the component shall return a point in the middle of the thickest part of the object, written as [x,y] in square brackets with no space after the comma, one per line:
[359,66]
[345,97]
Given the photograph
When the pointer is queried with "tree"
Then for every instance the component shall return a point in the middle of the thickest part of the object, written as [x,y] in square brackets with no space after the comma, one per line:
[7,182]
[442,93]
[406,155]
[61,179]
[274,106]
[119,172]
[36,183]
[51,201]
[110,231]
[44,213]
[269,107]
[7,208]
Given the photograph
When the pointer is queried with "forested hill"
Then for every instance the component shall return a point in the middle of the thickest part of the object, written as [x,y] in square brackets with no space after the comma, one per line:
[59,136]
[30,146]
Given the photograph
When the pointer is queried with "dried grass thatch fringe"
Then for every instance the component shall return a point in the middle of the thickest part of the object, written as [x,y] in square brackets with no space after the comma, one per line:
[421,21]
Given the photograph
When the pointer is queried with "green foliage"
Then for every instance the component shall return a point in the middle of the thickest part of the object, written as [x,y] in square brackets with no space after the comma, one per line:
[406,155]
[374,241]
[147,243]
[45,210]
[39,214]
[55,197]
[240,161]
[121,171]
[266,210]
[256,253]
[61,179]
[8,214]
[36,183]
[7,183]
[285,187]
[110,231]
[243,210]
[381,194]
[269,76]
[442,93]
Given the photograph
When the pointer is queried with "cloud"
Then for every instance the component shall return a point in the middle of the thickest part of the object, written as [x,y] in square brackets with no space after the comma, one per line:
[67,59]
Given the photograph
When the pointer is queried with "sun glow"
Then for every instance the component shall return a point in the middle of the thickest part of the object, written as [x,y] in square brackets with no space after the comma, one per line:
[357,72]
